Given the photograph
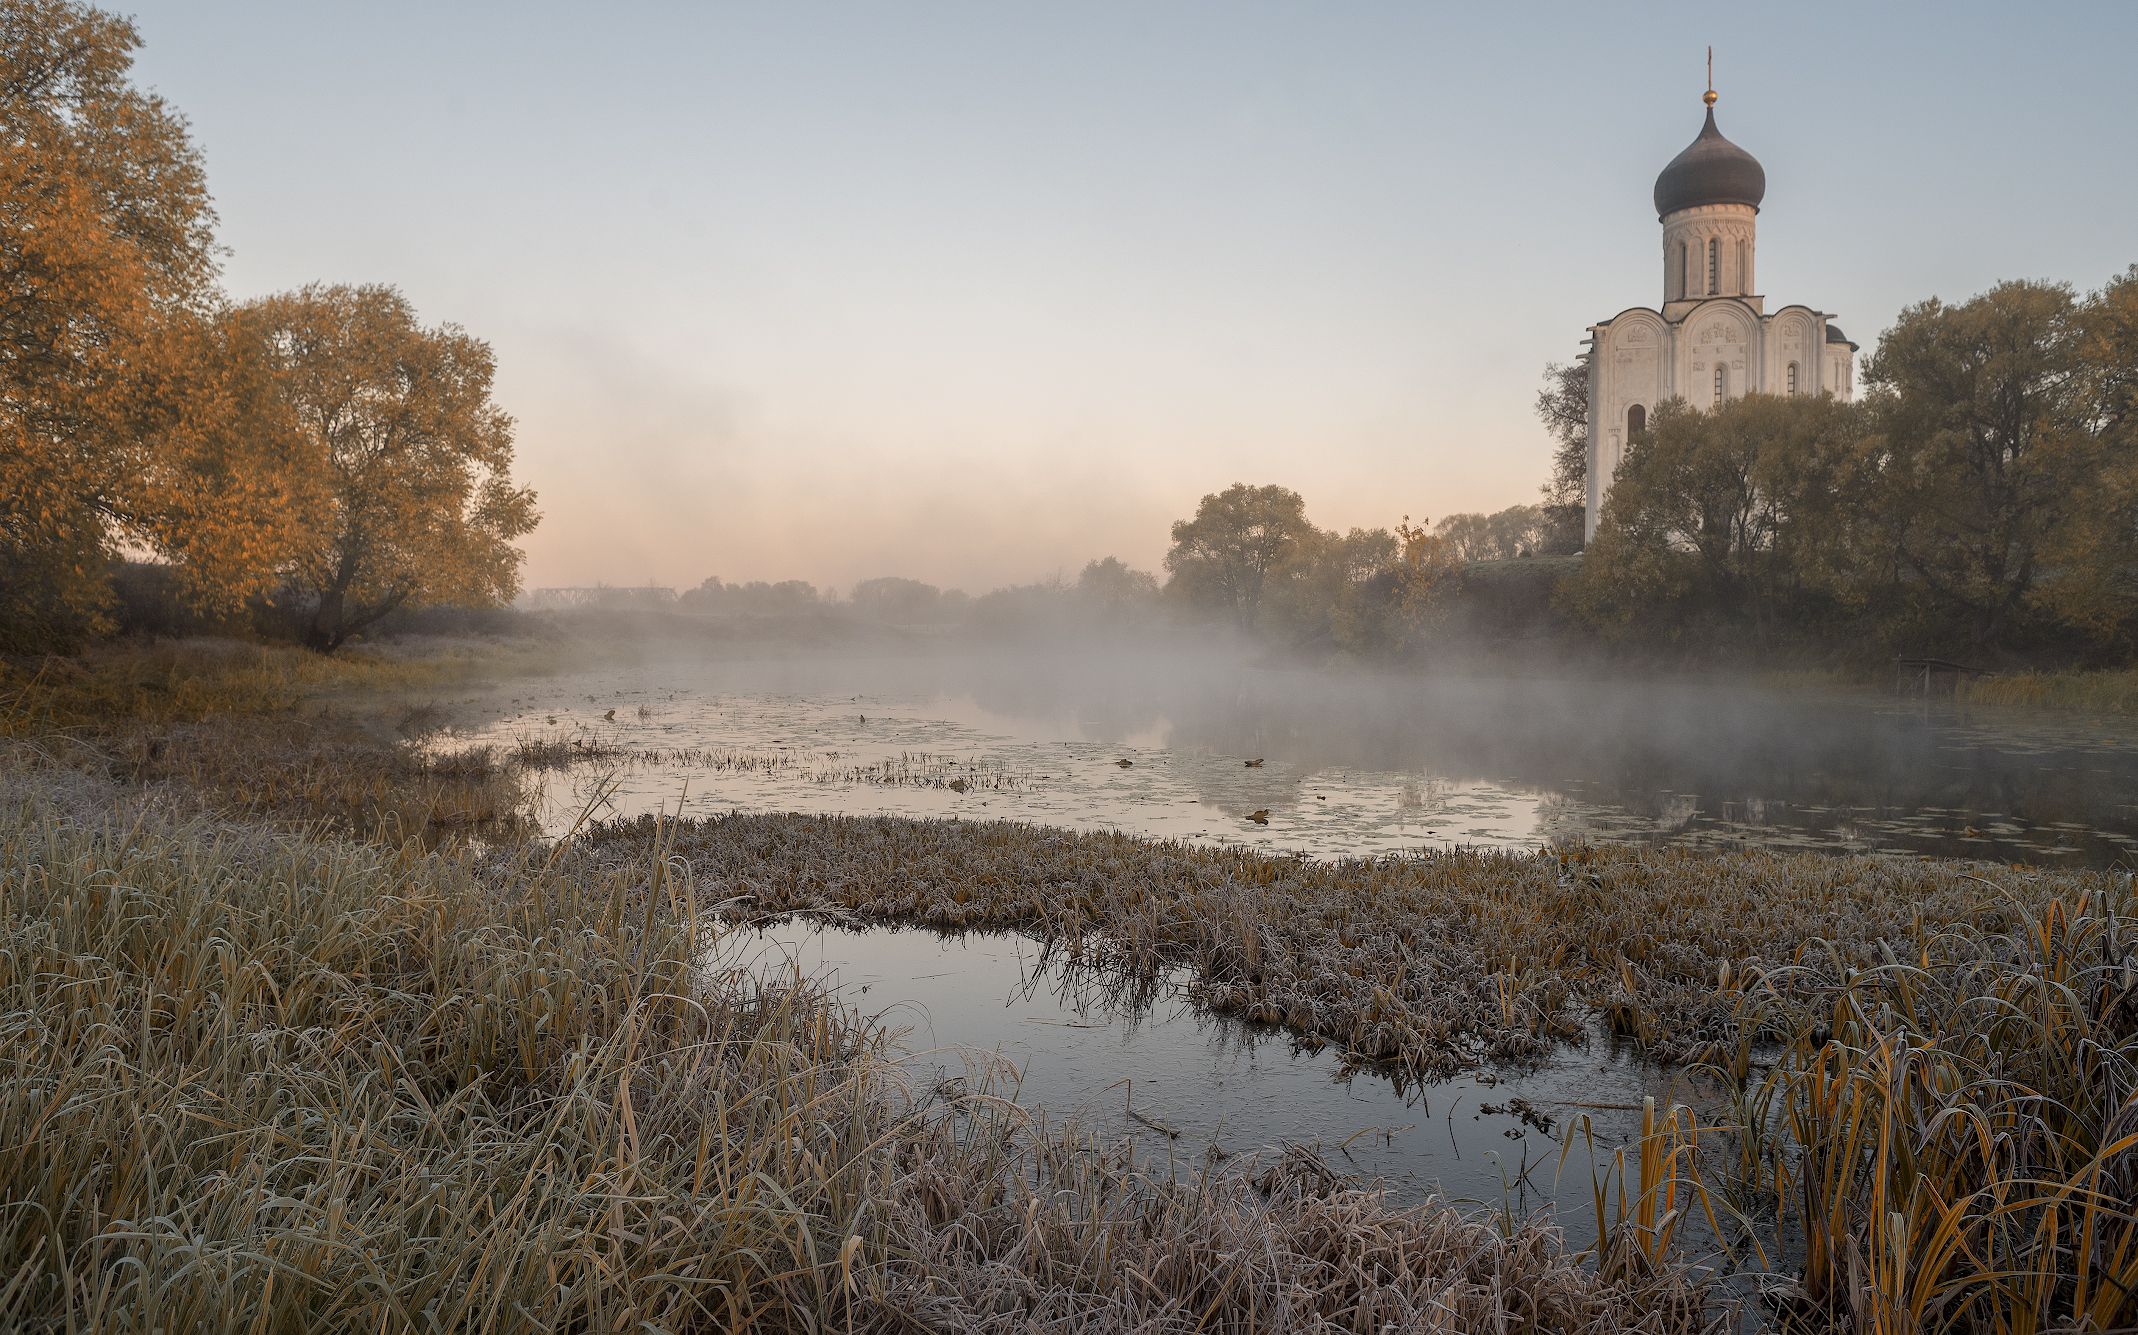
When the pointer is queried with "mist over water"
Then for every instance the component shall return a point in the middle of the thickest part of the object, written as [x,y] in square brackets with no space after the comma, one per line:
[1350,762]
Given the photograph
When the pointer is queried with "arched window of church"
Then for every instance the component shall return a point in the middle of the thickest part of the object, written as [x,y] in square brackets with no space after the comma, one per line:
[1685,271]
[1744,267]
[1714,266]
[1636,421]
[1792,380]
[1722,382]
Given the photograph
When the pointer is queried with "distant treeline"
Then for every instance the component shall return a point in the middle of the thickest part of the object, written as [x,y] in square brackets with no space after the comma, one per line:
[306,464]
[1248,561]
[1979,501]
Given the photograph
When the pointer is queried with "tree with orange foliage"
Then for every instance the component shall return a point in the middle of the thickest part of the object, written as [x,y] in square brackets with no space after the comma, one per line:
[134,410]
[420,505]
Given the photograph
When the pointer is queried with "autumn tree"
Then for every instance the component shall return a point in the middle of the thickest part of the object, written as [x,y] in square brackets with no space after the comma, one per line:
[1224,559]
[419,504]
[105,232]
[1425,566]
[224,485]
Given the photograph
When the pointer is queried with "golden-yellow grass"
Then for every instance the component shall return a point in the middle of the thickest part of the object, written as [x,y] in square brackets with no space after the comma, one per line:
[189,681]
[2104,691]
[275,732]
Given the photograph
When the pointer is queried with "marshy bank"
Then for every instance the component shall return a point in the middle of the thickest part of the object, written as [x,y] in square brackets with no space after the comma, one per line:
[260,1080]
[257,927]
[1429,964]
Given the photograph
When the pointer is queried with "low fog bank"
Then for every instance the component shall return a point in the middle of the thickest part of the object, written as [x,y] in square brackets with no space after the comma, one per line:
[1492,616]
[1241,729]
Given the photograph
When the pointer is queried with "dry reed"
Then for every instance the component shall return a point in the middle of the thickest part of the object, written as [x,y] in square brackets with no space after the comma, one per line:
[1951,1135]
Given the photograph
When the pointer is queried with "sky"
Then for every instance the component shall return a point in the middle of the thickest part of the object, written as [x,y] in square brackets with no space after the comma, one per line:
[976,292]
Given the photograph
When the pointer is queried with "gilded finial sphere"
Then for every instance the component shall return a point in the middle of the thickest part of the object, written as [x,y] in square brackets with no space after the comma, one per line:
[1709,97]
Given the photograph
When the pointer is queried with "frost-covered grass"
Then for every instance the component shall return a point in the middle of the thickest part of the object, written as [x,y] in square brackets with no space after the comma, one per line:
[1428,963]
[261,1080]
[279,1050]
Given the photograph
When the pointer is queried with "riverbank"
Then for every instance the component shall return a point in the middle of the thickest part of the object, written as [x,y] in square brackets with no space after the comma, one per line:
[387,1069]
[2112,691]
[265,1077]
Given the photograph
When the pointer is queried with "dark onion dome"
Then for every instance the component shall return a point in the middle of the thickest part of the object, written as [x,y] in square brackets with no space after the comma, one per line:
[1711,170]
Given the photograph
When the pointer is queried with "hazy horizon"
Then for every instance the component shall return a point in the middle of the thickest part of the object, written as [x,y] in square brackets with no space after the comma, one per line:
[974,295]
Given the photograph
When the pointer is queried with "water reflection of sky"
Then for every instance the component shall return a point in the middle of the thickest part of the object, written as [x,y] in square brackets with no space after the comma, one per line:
[1351,765]
[986,1011]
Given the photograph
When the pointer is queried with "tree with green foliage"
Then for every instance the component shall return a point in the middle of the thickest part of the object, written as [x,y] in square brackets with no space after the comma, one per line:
[1116,591]
[1717,516]
[2103,535]
[897,601]
[1504,535]
[1996,459]
[1241,539]
[1331,590]
[1563,407]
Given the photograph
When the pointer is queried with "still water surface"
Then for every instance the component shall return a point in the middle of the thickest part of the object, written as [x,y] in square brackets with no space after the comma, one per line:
[1357,764]
[1186,1088]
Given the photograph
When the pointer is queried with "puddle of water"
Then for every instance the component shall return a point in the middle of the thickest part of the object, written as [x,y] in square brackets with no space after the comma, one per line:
[1080,1053]
[1349,766]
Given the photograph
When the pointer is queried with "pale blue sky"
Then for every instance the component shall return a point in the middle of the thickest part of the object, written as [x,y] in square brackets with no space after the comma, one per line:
[972,292]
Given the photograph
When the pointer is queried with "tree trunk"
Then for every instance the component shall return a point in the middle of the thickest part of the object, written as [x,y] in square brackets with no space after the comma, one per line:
[324,634]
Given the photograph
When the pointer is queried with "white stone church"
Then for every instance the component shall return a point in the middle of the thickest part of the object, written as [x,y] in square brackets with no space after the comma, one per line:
[1713,339]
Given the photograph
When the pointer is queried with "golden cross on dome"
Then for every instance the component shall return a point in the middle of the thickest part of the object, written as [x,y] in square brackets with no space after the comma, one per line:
[1709,96]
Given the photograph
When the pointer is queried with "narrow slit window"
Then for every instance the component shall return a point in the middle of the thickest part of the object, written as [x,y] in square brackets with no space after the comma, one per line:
[1714,266]
[1792,380]
[1722,382]
[1685,270]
